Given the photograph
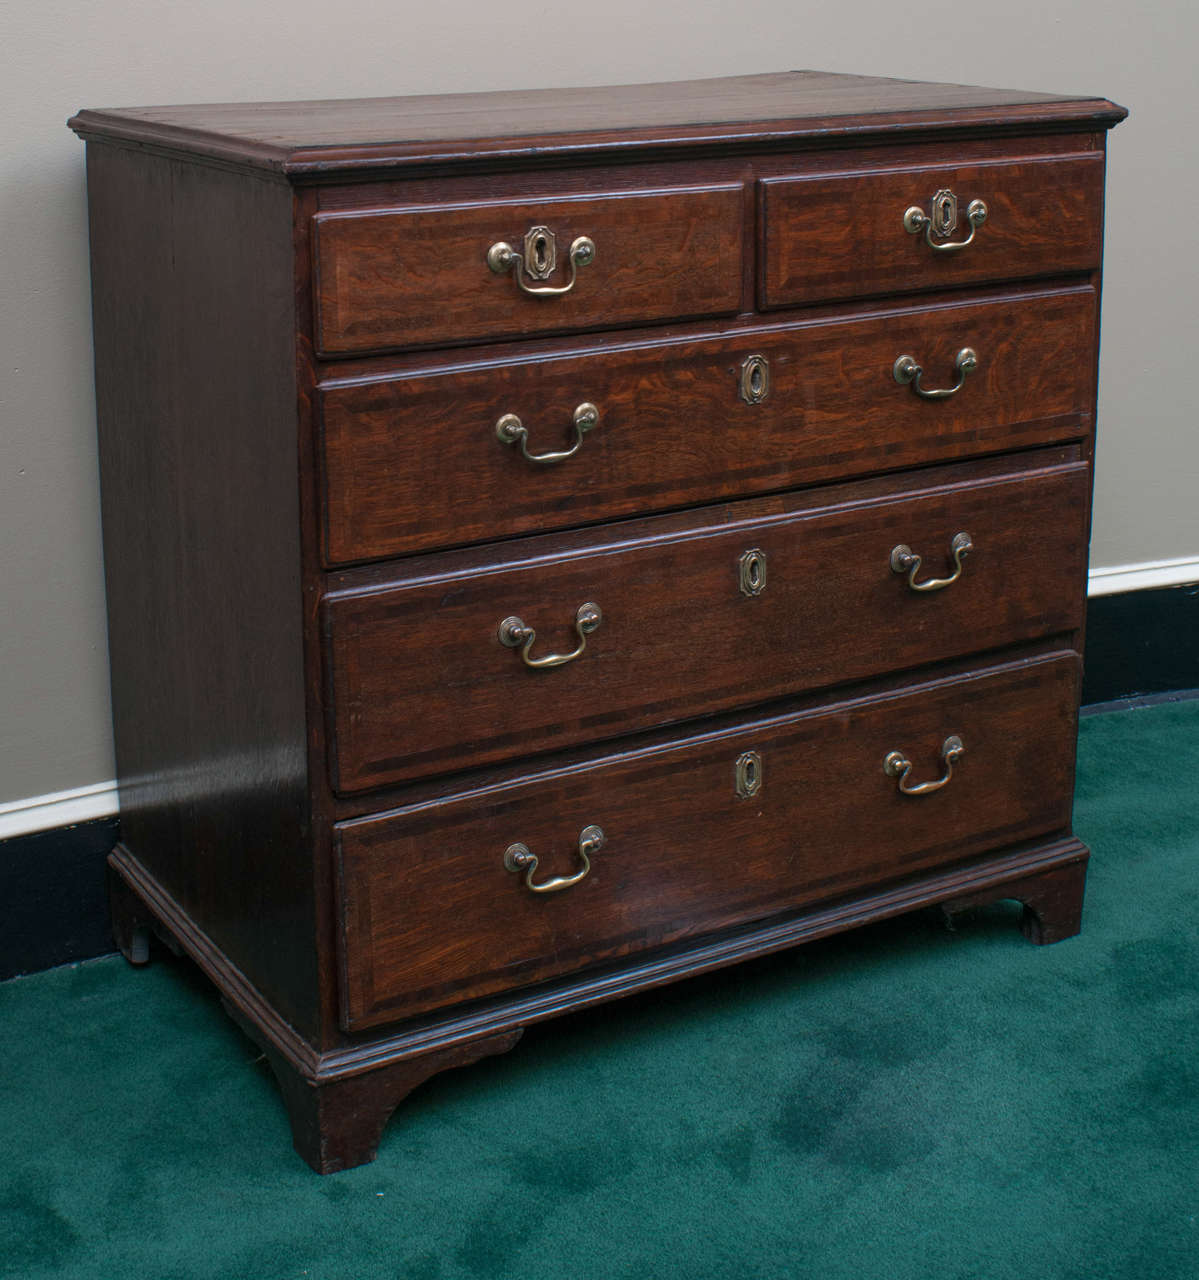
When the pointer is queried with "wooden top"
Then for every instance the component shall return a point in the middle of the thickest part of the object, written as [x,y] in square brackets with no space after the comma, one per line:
[327,138]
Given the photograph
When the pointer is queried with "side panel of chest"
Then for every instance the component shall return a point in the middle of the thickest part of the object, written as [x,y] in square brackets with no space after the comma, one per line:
[194,327]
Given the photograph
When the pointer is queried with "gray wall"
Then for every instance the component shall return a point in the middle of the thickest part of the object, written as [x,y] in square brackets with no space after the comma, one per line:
[64,54]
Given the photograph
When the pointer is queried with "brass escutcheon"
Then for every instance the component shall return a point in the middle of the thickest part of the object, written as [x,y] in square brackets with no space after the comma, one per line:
[751,572]
[539,259]
[541,252]
[945,213]
[755,379]
[943,220]
[747,774]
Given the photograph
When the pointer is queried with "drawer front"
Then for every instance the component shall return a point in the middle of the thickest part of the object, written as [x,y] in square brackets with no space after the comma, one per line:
[421,682]
[844,236]
[415,462]
[420,276]
[429,914]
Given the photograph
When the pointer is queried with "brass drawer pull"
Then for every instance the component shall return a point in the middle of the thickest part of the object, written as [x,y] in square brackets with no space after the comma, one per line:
[905,560]
[908,372]
[538,260]
[518,857]
[943,221]
[897,765]
[510,430]
[515,634]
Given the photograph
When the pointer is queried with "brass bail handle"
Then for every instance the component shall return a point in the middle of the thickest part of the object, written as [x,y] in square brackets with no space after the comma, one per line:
[510,430]
[897,765]
[519,857]
[516,635]
[943,221]
[905,560]
[538,260]
[908,373]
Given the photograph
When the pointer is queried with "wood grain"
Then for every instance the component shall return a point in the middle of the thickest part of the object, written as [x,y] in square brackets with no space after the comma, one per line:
[337,1124]
[685,855]
[1047,873]
[418,277]
[674,430]
[311,536]
[195,388]
[843,237]
[315,138]
[420,683]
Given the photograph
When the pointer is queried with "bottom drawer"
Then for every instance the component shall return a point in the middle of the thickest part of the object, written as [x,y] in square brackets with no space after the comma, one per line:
[698,835]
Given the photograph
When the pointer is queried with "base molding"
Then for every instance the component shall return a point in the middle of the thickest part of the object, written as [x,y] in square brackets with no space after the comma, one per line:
[340,1099]
[1141,643]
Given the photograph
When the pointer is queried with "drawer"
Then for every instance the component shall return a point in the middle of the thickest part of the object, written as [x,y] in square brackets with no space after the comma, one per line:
[413,461]
[844,235]
[697,614]
[429,915]
[420,276]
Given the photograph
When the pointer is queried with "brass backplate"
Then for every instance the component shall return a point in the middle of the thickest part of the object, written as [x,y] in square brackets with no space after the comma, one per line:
[945,212]
[748,774]
[541,253]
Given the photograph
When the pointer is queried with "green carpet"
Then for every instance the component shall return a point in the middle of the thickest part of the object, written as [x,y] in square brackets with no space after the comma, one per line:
[897,1104]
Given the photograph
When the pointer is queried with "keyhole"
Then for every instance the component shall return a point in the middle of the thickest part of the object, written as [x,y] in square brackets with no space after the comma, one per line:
[540,257]
[748,774]
[751,570]
[755,379]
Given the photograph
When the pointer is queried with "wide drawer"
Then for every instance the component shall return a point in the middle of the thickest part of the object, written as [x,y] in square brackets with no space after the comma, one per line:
[414,461]
[420,276]
[844,235]
[430,915]
[720,609]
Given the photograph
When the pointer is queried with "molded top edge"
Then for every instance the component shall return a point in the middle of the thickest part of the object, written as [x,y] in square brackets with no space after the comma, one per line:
[345,135]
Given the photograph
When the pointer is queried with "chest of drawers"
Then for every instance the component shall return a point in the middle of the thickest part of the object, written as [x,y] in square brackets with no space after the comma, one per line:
[562,542]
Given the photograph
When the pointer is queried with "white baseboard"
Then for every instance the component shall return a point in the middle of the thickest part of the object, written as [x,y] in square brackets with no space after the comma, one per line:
[57,809]
[84,804]
[1139,577]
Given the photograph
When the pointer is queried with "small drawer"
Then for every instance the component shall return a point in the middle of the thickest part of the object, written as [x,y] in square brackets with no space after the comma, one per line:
[687,616]
[850,235]
[435,904]
[421,460]
[390,278]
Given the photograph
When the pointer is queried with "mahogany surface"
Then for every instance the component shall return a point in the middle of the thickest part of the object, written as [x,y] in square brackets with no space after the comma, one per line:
[318,138]
[685,854]
[674,429]
[420,682]
[419,276]
[1045,217]
[195,394]
[312,534]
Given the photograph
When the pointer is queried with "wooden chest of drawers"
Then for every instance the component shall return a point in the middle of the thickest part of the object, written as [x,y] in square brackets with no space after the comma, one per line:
[561,542]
